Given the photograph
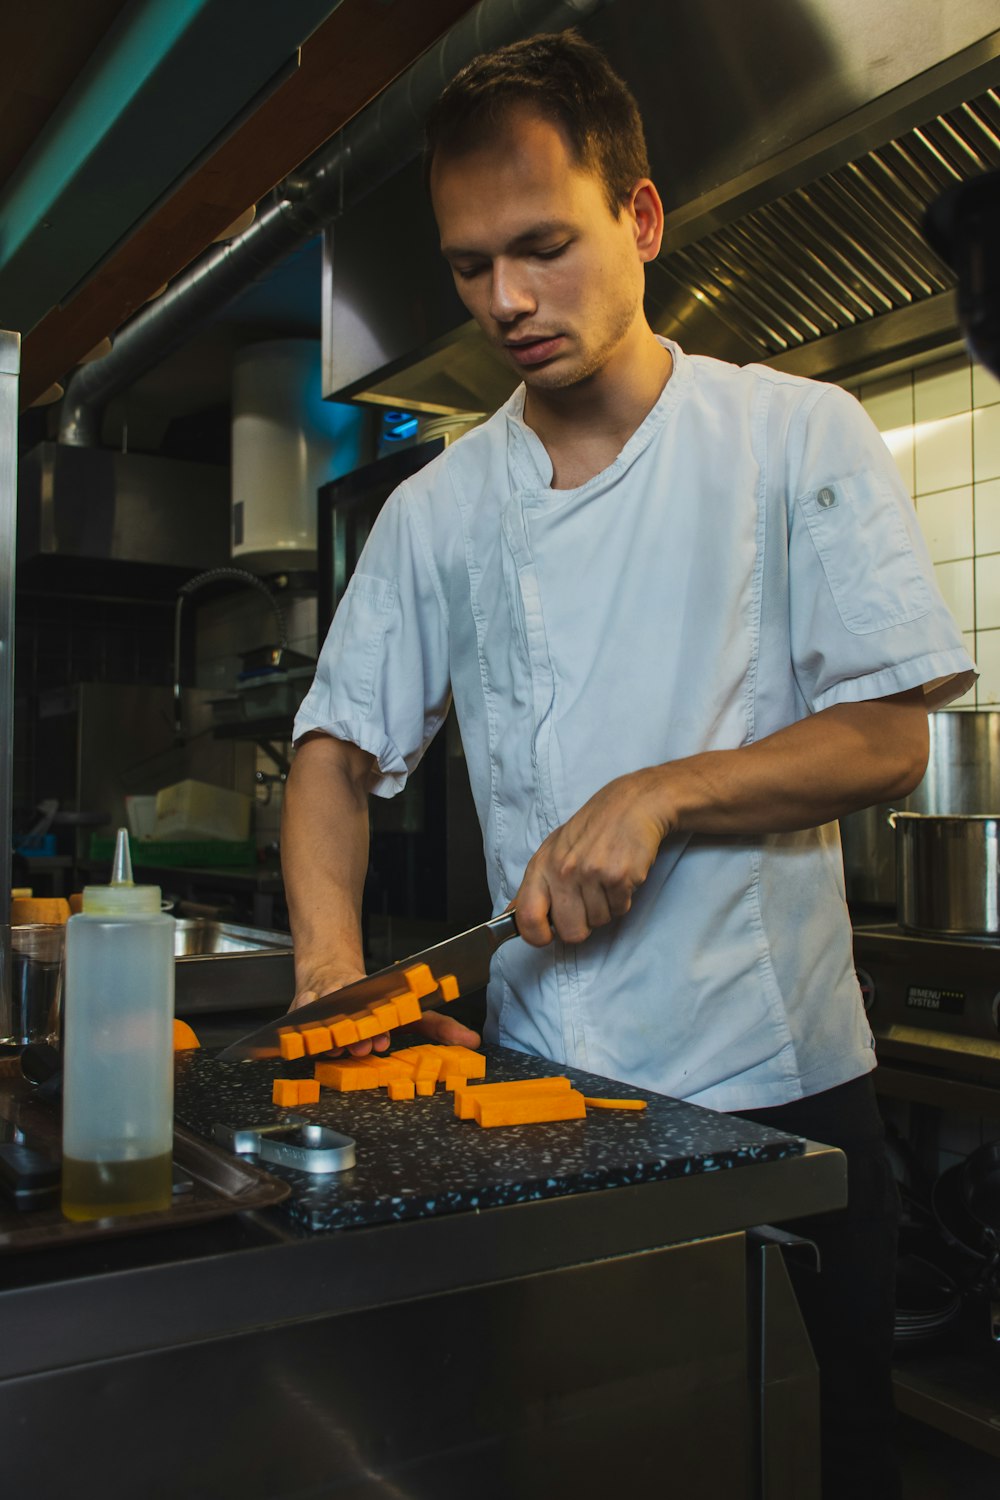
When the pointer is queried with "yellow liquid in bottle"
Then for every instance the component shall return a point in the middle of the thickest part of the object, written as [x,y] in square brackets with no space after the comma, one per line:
[99,1189]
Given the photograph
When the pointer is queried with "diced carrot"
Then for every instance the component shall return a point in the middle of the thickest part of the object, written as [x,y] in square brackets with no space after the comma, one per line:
[367,1024]
[425,1085]
[388,1068]
[285,1091]
[386,1014]
[308,1091]
[420,980]
[343,1032]
[184,1038]
[428,1069]
[530,1109]
[614,1103]
[292,1045]
[316,1039]
[463,1060]
[448,986]
[406,1066]
[401,1088]
[466,1094]
[345,1078]
[453,1081]
[408,1008]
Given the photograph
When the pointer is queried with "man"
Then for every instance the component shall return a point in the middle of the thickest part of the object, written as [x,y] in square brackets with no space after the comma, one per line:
[686,619]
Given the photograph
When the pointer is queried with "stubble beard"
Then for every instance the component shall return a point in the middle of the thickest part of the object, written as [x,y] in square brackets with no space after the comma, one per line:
[564,374]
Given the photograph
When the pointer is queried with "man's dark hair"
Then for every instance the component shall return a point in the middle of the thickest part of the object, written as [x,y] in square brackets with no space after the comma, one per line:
[562,77]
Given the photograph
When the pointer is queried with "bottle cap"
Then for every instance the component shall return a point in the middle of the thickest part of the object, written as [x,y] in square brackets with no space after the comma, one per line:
[122,898]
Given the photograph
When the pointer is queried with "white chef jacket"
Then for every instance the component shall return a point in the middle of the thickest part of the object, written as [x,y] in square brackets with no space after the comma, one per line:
[750,557]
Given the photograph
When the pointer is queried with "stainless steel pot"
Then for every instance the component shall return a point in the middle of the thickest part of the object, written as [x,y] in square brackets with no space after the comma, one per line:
[963,776]
[947,873]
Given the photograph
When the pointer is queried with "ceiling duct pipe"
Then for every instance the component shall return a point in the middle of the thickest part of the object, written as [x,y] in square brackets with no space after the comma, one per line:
[358,159]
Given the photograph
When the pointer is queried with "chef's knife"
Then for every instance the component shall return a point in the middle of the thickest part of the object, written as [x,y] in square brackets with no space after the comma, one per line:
[467,957]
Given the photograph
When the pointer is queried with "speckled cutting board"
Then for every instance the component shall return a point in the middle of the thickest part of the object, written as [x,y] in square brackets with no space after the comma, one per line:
[415,1158]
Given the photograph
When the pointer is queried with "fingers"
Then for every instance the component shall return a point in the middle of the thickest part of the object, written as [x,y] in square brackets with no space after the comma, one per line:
[446,1030]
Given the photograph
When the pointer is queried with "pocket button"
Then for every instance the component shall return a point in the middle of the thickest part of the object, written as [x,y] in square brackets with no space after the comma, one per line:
[827,497]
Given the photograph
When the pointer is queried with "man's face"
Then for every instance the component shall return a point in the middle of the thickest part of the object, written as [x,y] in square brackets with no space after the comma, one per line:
[541,263]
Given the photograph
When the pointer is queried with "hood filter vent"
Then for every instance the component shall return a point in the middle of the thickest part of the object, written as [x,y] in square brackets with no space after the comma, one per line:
[848,247]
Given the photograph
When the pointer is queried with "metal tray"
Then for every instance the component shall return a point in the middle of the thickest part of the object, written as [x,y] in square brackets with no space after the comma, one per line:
[220,1183]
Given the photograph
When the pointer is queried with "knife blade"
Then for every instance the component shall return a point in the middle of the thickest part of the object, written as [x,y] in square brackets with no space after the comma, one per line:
[466,957]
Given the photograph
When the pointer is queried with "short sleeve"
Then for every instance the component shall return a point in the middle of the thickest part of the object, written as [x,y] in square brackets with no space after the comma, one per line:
[866,616]
[382,680]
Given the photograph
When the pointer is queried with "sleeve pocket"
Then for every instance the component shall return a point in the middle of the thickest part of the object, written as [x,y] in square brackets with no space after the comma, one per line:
[358,632]
[867,557]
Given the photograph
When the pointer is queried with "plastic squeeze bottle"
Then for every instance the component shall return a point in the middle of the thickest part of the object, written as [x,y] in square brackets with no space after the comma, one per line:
[118,1080]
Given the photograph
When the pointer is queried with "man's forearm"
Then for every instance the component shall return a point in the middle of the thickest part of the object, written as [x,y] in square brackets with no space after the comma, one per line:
[324,857]
[586,871]
[813,772]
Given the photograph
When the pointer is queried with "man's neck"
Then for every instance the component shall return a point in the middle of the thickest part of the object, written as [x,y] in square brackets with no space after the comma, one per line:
[584,427]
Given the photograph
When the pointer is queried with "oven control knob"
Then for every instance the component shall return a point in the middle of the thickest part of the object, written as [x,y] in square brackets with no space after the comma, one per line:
[867,984]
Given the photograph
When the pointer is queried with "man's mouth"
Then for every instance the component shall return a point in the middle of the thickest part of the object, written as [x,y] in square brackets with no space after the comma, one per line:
[534,351]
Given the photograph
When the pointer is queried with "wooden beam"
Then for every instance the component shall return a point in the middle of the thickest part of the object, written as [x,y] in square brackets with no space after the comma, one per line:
[346,62]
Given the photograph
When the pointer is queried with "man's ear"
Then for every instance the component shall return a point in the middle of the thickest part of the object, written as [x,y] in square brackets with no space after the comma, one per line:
[646,211]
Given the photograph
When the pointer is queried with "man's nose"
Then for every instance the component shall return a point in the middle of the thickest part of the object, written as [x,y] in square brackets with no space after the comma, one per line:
[510,294]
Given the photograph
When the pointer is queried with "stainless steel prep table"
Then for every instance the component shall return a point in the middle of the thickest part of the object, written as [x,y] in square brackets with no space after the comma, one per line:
[615,1336]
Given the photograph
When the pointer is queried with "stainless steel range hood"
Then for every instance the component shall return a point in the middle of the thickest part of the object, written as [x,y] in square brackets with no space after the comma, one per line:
[796,143]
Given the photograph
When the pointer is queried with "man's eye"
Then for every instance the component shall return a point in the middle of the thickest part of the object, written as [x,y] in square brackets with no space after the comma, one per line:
[552,254]
[467,272]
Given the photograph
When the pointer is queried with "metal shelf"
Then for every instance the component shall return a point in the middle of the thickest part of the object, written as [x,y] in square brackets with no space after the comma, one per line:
[957,1391]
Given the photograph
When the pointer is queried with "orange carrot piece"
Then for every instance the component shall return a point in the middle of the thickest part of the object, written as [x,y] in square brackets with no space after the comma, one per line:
[344,1077]
[614,1103]
[367,1025]
[385,1012]
[428,1070]
[291,1045]
[316,1039]
[420,980]
[343,1032]
[388,1069]
[401,1088]
[448,986]
[425,1085]
[285,1091]
[408,1008]
[466,1094]
[308,1091]
[463,1060]
[529,1109]
[184,1038]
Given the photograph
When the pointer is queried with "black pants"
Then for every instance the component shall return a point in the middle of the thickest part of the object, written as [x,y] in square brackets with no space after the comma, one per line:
[849,1306]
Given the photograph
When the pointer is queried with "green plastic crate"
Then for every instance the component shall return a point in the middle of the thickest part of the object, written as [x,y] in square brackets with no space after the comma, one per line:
[204,854]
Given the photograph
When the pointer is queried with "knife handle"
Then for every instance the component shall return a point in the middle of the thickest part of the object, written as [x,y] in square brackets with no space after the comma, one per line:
[501,928]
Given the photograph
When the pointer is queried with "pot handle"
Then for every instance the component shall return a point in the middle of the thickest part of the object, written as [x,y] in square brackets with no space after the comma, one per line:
[891,817]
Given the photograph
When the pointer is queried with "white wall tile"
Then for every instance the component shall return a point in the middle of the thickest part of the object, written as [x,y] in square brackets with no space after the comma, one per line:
[986,503]
[988,662]
[946,522]
[889,402]
[955,580]
[988,592]
[942,389]
[969,699]
[985,386]
[899,441]
[986,442]
[943,458]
